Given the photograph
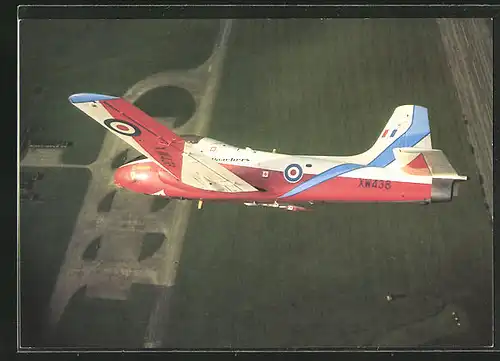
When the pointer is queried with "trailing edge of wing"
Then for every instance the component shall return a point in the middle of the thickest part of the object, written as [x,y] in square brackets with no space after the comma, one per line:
[202,168]
[159,143]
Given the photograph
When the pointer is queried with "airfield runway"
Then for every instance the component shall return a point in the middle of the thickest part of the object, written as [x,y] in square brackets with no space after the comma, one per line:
[264,278]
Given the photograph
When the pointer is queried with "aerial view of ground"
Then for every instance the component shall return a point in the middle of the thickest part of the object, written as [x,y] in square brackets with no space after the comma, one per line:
[113,269]
[78,56]
[268,279]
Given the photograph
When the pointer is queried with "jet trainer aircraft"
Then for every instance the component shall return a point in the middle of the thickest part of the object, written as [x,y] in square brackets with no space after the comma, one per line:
[401,166]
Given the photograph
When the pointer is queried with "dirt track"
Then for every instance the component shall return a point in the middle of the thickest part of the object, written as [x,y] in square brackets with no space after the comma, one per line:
[469,48]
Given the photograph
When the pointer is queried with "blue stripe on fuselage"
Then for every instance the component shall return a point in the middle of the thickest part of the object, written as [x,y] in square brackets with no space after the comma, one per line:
[418,130]
[322,177]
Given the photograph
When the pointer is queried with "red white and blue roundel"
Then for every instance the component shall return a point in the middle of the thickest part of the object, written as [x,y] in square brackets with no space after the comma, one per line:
[293,173]
[122,127]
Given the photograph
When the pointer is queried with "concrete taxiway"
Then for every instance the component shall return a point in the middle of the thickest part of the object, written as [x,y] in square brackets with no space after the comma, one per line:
[122,229]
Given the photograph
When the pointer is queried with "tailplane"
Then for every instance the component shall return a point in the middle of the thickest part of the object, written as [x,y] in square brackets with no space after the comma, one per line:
[434,163]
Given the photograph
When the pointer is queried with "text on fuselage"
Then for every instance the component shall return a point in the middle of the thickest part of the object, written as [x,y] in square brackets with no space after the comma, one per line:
[374,183]
[231,159]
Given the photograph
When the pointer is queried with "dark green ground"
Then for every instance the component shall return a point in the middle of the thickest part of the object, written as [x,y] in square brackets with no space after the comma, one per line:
[45,230]
[180,104]
[264,278]
[91,322]
[58,58]
[258,277]
[62,57]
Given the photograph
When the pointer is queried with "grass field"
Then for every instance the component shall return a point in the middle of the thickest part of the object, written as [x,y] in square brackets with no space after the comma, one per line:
[59,58]
[90,322]
[63,57]
[263,278]
[45,229]
[254,277]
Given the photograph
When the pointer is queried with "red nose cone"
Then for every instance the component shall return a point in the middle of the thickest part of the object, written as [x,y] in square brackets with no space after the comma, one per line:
[122,177]
[140,178]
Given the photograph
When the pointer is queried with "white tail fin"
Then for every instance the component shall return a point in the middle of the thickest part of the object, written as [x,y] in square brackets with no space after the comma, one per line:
[407,127]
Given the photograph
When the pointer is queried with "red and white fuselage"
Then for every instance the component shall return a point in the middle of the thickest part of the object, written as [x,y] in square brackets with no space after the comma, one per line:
[401,166]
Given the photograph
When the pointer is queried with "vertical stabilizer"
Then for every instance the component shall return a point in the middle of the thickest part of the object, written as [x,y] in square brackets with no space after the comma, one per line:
[407,127]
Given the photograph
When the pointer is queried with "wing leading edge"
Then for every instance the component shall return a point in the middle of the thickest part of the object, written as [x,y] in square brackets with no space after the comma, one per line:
[159,143]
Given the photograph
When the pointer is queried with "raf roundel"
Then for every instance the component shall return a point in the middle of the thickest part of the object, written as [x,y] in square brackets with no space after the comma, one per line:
[293,173]
[122,127]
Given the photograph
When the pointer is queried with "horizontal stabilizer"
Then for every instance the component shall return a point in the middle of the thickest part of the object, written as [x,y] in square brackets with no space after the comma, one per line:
[433,162]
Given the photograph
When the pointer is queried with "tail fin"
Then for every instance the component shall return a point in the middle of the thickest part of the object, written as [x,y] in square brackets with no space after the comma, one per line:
[407,127]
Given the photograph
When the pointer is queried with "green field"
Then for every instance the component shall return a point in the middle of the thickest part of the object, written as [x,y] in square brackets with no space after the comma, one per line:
[59,58]
[45,230]
[101,323]
[257,277]
[63,57]
[254,277]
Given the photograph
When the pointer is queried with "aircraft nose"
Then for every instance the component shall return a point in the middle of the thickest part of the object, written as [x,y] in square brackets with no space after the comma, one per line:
[121,177]
[135,177]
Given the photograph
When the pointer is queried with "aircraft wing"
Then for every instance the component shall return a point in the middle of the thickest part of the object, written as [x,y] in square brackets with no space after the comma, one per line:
[159,143]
